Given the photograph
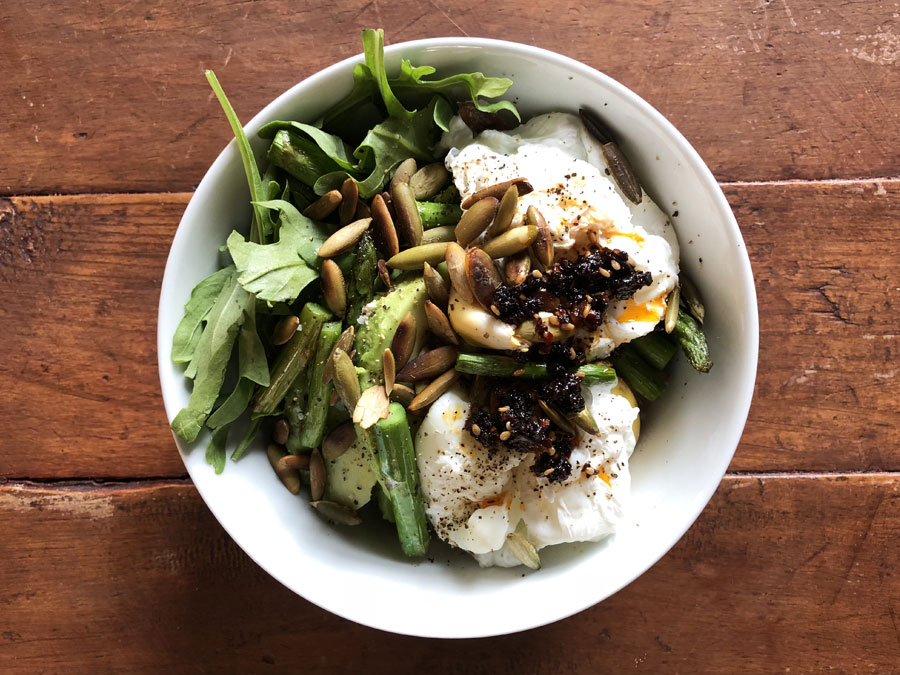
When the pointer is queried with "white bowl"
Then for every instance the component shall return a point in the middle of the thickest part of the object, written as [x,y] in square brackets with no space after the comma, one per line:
[688,439]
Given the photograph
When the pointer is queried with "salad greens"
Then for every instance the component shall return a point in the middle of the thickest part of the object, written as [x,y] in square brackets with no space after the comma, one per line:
[277,262]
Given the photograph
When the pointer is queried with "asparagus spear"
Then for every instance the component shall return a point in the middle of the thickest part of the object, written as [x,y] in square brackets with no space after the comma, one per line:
[435,215]
[503,366]
[318,394]
[300,157]
[656,349]
[641,376]
[398,465]
[693,341]
[292,360]
[362,285]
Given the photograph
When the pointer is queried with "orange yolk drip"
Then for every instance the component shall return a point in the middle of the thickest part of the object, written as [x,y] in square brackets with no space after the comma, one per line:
[634,236]
[650,311]
[498,500]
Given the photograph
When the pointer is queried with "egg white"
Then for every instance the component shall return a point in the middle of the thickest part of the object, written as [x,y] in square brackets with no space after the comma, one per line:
[582,207]
[474,498]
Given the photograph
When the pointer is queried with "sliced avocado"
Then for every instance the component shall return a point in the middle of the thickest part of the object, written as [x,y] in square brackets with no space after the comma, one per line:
[351,477]
[376,335]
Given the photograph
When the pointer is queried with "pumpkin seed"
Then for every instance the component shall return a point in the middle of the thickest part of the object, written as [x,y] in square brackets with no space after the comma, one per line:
[622,173]
[384,274]
[334,290]
[324,206]
[429,364]
[524,550]
[436,286]
[557,418]
[344,238]
[408,221]
[482,276]
[691,298]
[281,431]
[362,210]
[383,231]
[285,329]
[586,421]
[496,191]
[349,200]
[595,126]
[404,340]
[389,366]
[316,475]
[511,242]
[414,258]
[288,477]
[402,394]
[543,245]
[336,513]
[672,307]
[517,267]
[373,405]
[403,173]
[346,381]
[339,441]
[456,269]
[475,220]
[428,181]
[439,324]
[437,234]
[345,342]
[506,211]
[294,462]
[434,391]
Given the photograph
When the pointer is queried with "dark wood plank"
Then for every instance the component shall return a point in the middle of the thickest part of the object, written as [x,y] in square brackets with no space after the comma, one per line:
[79,284]
[825,260]
[103,96]
[145,579]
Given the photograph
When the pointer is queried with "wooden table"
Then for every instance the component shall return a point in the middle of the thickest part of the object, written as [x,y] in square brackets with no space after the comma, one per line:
[111,562]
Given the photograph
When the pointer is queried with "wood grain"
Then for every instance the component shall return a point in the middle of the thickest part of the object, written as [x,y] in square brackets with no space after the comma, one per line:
[145,579]
[101,96]
[79,284]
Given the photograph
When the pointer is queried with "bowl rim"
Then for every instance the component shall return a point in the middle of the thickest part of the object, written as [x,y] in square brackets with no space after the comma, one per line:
[743,393]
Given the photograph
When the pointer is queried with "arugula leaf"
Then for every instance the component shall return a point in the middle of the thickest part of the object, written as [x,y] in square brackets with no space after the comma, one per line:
[253,365]
[247,439]
[312,234]
[278,272]
[215,449]
[331,145]
[190,328]
[258,192]
[211,356]
[395,140]
[373,49]
[233,406]
[411,81]
[476,84]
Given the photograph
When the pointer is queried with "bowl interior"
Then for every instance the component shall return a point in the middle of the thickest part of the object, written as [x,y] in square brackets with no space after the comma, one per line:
[688,439]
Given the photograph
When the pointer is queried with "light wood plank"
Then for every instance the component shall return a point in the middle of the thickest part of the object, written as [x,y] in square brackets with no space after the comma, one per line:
[103,96]
[79,285]
[144,580]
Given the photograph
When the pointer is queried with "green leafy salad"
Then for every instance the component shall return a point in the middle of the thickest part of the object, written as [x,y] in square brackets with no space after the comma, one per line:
[329,332]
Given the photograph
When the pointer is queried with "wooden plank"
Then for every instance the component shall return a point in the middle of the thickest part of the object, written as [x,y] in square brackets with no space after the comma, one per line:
[102,96]
[145,579]
[79,284]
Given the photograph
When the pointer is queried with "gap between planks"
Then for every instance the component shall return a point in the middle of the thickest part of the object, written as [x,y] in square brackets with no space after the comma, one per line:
[82,484]
[725,184]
